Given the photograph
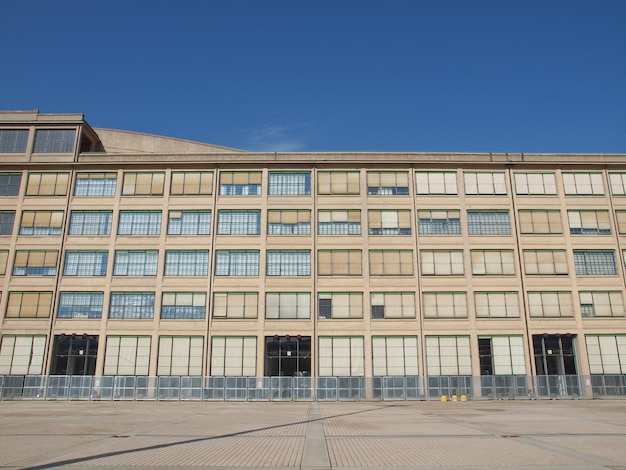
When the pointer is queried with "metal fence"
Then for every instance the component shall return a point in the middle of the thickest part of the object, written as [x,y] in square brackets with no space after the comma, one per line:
[63,387]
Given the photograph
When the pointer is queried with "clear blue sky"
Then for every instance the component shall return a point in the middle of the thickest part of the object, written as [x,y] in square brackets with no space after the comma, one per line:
[284,75]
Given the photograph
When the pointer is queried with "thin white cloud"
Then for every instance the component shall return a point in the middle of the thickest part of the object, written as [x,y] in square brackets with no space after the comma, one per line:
[277,138]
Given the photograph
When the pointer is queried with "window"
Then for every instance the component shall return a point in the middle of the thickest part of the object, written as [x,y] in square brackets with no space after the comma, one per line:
[289,263]
[7,218]
[41,223]
[95,184]
[85,263]
[595,262]
[237,263]
[54,141]
[394,356]
[617,182]
[589,222]
[136,263]
[501,355]
[286,183]
[488,222]
[235,305]
[442,262]
[493,183]
[448,355]
[540,221]
[131,305]
[22,355]
[439,222]
[497,304]
[80,305]
[35,263]
[338,182]
[47,184]
[552,304]
[289,222]
[583,184]
[390,222]
[444,304]
[387,183]
[435,182]
[492,262]
[189,223]
[233,356]
[90,222]
[180,355]
[127,355]
[392,304]
[288,305]
[183,306]
[341,356]
[545,262]
[10,184]
[339,222]
[239,222]
[240,183]
[340,305]
[601,303]
[535,183]
[13,140]
[621,222]
[187,263]
[29,304]
[339,263]
[139,223]
[607,354]
[391,262]
[143,184]
[4,258]
[192,183]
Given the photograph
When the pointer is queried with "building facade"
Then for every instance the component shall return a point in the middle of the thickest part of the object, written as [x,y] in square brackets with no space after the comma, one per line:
[130,255]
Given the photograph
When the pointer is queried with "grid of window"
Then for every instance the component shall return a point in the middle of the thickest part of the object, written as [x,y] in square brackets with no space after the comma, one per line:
[601,303]
[85,263]
[289,263]
[497,304]
[47,184]
[552,304]
[535,183]
[346,222]
[186,263]
[441,262]
[338,182]
[341,356]
[95,184]
[435,182]
[13,140]
[392,304]
[340,305]
[54,140]
[339,263]
[488,222]
[286,183]
[235,305]
[288,305]
[387,183]
[595,262]
[29,304]
[192,183]
[502,355]
[233,356]
[492,183]
[240,183]
[583,184]
[237,263]
[41,223]
[131,305]
[391,262]
[540,221]
[127,355]
[618,183]
[389,222]
[444,304]
[10,184]
[545,262]
[289,222]
[136,263]
[143,184]
[80,305]
[7,219]
[183,306]
[139,223]
[35,263]
[492,262]
[189,223]
[394,356]
[621,221]
[22,355]
[90,222]
[230,222]
[589,222]
[607,354]
[180,356]
[4,258]
[448,355]
[439,222]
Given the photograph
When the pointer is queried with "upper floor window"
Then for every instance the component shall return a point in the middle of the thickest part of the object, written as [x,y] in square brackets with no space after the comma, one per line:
[392,304]
[601,303]
[4,259]
[439,222]
[41,223]
[340,305]
[132,305]
[189,222]
[235,305]
[143,184]
[47,184]
[183,306]
[540,221]
[445,304]
[289,263]
[13,140]
[237,263]
[545,262]
[492,262]
[390,222]
[29,304]
[90,222]
[595,262]
[139,223]
[387,183]
[497,304]
[240,183]
[589,222]
[289,183]
[488,222]
[338,182]
[85,263]
[239,222]
[550,304]
[335,222]
[54,141]
[288,305]
[7,219]
[621,221]
[95,184]
[136,263]
[488,182]
[583,184]
[186,263]
[441,262]
[192,183]
[289,222]
[35,263]
[10,184]
[391,262]
[535,183]
[80,305]
[339,263]
[435,182]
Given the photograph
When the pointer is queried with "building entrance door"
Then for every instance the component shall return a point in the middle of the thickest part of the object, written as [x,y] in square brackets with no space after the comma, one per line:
[555,361]
[74,355]
[288,356]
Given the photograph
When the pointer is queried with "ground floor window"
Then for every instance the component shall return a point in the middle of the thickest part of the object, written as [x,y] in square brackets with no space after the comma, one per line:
[554,354]
[127,355]
[288,356]
[395,355]
[22,355]
[233,356]
[501,355]
[180,355]
[607,354]
[341,356]
[74,355]
[448,355]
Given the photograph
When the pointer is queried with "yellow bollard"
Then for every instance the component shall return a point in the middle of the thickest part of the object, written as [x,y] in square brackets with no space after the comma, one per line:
[454,397]
[463,398]
[444,398]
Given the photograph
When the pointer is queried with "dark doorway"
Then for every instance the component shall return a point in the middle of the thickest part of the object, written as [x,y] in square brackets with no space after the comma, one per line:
[288,356]
[74,355]
[554,354]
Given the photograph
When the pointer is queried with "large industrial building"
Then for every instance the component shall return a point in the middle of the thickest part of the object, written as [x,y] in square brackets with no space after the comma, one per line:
[130,259]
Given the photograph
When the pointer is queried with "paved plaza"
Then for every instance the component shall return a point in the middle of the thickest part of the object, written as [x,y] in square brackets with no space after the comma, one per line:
[573,434]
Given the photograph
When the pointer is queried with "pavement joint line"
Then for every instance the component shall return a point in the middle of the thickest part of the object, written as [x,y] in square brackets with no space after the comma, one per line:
[315,455]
